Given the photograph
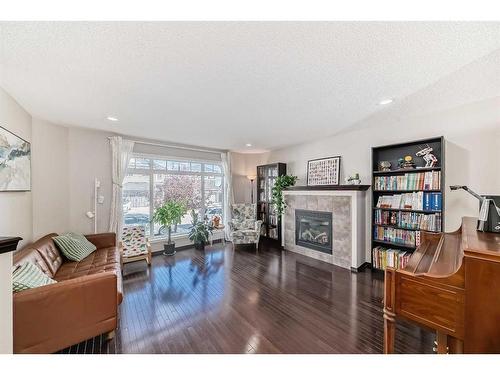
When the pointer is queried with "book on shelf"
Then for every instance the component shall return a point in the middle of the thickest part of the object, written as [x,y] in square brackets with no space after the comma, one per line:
[433,201]
[385,257]
[273,233]
[420,200]
[410,181]
[397,236]
[273,220]
[409,220]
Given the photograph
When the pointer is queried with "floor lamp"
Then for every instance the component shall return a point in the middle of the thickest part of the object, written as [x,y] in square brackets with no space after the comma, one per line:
[251,178]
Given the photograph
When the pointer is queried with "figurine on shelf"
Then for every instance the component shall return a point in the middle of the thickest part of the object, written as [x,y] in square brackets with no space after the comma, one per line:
[384,166]
[406,162]
[429,158]
[353,180]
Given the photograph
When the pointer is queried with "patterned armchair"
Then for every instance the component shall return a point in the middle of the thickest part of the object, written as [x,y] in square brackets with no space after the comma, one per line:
[134,245]
[244,228]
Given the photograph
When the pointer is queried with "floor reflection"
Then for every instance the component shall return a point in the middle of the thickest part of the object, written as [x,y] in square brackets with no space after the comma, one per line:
[192,284]
[236,301]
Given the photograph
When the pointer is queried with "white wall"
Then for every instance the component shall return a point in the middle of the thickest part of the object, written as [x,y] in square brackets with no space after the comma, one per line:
[66,161]
[243,165]
[50,178]
[15,216]
[89,157]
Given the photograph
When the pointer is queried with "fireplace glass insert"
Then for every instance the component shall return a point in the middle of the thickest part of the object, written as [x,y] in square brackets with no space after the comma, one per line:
[313,229]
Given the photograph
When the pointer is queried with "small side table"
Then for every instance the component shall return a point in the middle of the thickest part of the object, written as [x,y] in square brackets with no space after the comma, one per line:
[219,229]
[8,244]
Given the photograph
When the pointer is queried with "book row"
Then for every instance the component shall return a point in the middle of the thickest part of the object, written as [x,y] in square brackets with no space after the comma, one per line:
[383,258]
[410,181]
[409,220]
[414,201]
[397,236]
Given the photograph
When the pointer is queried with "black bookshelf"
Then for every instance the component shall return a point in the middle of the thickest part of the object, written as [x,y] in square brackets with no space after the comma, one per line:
[271,222]
[392,153]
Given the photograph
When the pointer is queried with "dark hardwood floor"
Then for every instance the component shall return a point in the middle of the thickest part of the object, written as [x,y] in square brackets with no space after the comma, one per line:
[225,301]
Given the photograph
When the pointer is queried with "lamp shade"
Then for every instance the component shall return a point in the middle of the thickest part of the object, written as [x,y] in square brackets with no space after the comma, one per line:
[251,177]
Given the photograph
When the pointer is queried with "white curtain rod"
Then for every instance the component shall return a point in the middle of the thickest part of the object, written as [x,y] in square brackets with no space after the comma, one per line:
[173,146]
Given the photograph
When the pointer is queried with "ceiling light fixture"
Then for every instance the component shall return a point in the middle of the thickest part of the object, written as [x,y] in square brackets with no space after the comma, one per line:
[386,101]
[111,118]
[248,144]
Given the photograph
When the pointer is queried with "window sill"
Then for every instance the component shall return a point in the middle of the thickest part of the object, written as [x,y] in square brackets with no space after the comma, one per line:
[165,238]
[216,235]
[180,241]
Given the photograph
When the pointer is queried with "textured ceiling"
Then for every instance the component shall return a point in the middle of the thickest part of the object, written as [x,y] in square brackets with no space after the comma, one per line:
[222,85]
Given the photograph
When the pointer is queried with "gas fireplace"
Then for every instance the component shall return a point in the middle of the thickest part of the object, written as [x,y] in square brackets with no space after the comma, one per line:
[313,229]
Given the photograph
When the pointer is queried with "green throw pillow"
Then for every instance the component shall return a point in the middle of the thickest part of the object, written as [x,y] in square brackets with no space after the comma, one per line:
[74,246]
[29,276]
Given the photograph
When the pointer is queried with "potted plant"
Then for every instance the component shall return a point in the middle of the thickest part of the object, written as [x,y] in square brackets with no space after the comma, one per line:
[168,214]
[353,180]
[280,184]
[200,232]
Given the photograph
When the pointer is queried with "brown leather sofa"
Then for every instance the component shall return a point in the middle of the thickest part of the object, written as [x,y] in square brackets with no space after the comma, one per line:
[81,305]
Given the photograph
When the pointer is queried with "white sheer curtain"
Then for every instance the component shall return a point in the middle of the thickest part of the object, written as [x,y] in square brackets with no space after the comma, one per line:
[121,150]
[228,190]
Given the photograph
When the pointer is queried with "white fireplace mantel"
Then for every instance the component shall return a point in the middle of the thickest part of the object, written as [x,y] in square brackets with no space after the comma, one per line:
[347,204]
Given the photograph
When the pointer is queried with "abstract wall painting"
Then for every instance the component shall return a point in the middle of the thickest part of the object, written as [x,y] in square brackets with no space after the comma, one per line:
[15,162]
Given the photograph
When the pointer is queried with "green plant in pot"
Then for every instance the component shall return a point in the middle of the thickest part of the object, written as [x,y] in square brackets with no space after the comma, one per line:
[199,232]
[168,214]
[281,183]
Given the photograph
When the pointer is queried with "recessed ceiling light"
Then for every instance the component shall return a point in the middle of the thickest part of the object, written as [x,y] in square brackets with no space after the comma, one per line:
[248,144]
[386,101]
[111,118]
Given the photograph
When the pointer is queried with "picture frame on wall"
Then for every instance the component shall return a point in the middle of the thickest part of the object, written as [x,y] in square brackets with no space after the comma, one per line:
[15,162]
[323,171]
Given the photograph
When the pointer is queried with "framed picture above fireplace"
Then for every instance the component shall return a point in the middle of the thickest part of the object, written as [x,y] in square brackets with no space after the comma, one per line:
[324,171]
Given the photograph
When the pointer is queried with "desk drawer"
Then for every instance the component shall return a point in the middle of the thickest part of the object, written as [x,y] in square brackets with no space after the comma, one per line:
[436,307]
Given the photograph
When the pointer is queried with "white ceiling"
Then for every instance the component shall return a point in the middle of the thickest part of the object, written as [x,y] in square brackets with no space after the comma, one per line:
[223,84]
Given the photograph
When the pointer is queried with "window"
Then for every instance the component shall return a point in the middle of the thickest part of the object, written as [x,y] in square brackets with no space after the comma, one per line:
[152,181]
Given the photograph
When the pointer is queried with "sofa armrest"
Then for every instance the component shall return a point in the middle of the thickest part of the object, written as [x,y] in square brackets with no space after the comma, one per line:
[55,316]
[102,240]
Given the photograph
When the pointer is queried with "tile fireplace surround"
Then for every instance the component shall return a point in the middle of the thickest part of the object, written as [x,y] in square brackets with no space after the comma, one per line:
[347,205]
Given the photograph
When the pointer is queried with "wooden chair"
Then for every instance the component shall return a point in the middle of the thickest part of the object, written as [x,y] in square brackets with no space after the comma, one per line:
[134,245]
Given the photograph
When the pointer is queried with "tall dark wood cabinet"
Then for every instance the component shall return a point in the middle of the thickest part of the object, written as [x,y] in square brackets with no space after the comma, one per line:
[271,222]
[406,201]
